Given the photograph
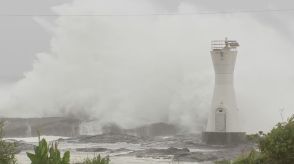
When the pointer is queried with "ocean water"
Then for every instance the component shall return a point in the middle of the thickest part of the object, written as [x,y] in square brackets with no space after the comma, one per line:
[116,158]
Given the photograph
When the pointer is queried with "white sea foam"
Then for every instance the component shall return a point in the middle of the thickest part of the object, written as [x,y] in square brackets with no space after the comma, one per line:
[135,70]
[77,156]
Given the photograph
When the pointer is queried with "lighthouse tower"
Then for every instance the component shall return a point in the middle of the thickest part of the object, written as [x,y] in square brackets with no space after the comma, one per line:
[223,120]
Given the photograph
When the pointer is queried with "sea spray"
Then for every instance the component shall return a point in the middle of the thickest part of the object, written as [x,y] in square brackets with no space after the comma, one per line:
[133,70]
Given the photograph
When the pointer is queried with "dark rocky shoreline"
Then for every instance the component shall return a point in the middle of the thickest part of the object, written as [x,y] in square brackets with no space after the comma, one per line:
[185,148]
[158,140]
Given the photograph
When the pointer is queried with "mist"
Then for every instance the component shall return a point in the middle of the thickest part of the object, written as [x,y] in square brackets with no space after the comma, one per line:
[133,70]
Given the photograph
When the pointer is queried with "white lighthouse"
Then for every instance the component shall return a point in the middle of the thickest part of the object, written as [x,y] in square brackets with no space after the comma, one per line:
[223,119]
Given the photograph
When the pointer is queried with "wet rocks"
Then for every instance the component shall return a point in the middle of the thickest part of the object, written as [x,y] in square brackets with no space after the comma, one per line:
[177,154]
[92,149]
[22,146]
[120,150]
[155,129]
[194,156]
[146,131]
[101,149]
[160,152]
[110,138]
[173,150]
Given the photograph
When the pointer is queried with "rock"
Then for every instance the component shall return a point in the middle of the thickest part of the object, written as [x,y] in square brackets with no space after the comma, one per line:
[95,149]
[23,146]
[174,151]
[155,153]
[112,129]
[119,150]
[92,149]
[177,154]
[195,156]
[153,130]
[109,138]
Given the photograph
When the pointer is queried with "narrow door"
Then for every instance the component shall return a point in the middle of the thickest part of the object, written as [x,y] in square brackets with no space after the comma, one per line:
[220,120]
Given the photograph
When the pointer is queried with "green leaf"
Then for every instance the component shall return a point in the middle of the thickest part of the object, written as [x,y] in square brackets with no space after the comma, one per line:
[66,158]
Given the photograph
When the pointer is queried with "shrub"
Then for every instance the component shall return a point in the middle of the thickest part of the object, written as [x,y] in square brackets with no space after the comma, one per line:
[255,138]
[45,155]
[278,145]
[7,150]
[97,160]
[254,157]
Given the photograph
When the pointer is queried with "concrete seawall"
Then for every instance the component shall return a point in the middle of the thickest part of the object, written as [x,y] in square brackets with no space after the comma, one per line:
[28,127]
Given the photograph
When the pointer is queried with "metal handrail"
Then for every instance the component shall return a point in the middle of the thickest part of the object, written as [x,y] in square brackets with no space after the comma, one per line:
[220,44]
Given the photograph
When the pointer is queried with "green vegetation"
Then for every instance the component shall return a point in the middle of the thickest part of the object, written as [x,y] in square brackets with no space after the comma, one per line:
[255,138]
[51,155]
[7,150]
[253,157]
[97,160]
[45,155]
[276,147]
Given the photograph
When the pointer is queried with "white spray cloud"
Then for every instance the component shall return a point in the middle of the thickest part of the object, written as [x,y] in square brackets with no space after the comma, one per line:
[133,70]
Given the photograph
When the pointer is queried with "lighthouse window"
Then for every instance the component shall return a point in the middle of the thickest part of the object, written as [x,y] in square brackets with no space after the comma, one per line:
[220,110]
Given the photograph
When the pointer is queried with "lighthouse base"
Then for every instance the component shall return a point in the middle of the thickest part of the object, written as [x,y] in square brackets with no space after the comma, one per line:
[223,138]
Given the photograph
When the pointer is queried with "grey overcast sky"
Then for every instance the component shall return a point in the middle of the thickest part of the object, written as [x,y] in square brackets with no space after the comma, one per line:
[22,37]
